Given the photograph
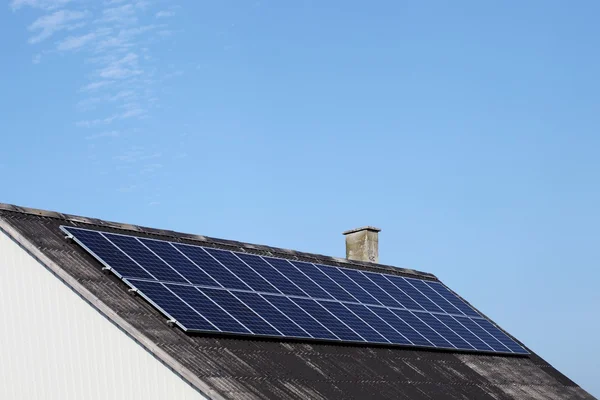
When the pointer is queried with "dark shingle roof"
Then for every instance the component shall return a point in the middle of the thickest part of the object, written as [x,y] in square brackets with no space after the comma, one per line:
[249,368]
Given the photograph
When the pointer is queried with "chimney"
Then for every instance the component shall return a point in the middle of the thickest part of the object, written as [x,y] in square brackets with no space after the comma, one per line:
[362,244]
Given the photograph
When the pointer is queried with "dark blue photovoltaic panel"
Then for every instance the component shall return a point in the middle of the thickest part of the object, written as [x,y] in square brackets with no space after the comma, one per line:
[402,298]
[275,278]
[377,323]
[405,329]
[482,334]
[349,285]
[413,293]
[444,331]
[364,282]
[501,336]
[414,321]
[275,317]
[202,304]
[242,271]
[212,267]
[328,320]
[289,271]
[434,296]
[463,332]
[173,257]
[172,305]
[145,258]
[457,302]
[325,282]
[205,289]
[301,317]
[240,312]
[109,254]
[350,319]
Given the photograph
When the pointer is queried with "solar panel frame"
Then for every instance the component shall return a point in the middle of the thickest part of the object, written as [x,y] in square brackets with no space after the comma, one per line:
[435,289]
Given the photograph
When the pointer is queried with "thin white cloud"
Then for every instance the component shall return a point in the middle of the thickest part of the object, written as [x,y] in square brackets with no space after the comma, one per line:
[131,111]
[122,14]
[49,24]
[165,14]
[137,154]
[95,85]
[120,72]
[95,122]
[151,168]
[75,42]
[43,4]
[123,94]
[124,67]
[101,135]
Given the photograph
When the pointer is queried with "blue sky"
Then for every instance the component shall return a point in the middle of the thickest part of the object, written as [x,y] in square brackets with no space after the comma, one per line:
[467,131]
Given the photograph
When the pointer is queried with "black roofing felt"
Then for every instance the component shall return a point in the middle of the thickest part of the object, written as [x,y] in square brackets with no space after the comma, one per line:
[248,368]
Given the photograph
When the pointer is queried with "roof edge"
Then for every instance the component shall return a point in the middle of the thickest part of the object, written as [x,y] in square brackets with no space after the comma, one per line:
[202,387]
[201,238]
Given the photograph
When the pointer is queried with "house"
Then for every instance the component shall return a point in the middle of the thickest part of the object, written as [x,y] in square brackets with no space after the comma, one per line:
[72,330]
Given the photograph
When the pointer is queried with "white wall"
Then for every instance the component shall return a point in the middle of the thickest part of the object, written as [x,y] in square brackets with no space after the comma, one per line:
[54,345]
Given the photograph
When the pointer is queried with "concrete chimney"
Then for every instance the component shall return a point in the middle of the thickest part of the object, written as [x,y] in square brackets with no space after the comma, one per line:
[362,244]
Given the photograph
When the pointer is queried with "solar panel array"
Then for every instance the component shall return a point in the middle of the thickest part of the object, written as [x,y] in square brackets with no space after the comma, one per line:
[204,289]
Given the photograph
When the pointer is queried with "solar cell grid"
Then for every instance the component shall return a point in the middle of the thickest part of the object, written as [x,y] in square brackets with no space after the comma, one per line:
[172,305]
[413,293]
[349,285]
[381,296]
[301,317]
[272,275]
[359,326]
[328,320]
[434,296]
[111,255]
[209,309]
[457,302]
[297,286]
[147,260]
[212,267]
[415,321]
[463,332]
[274,316]
[213,290]
[325,282]
[378,324]
[409,332]
[179,262]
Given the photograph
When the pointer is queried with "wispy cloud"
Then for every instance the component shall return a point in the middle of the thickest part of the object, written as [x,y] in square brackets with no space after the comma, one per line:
[165,14]
[75,42]
[124,67]
[95,85]
[42,4]
[137,154]
[95,122]
[46,26]
[101,135]
[122,14]
[121,80]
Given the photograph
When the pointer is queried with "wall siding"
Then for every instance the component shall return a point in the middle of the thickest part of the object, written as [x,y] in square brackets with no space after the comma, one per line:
[54,345]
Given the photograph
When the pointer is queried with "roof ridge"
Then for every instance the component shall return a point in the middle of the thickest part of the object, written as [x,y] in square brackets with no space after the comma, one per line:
[201,238]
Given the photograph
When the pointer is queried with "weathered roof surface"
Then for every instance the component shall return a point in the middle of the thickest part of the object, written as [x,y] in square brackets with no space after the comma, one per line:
[248,368]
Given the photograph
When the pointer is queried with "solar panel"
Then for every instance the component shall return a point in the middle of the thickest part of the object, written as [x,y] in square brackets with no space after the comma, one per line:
[204,289]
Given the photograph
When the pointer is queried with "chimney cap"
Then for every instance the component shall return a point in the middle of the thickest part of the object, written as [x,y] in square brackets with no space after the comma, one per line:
[364,228]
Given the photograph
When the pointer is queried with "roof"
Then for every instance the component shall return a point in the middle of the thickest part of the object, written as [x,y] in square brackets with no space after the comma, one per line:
[253,368]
